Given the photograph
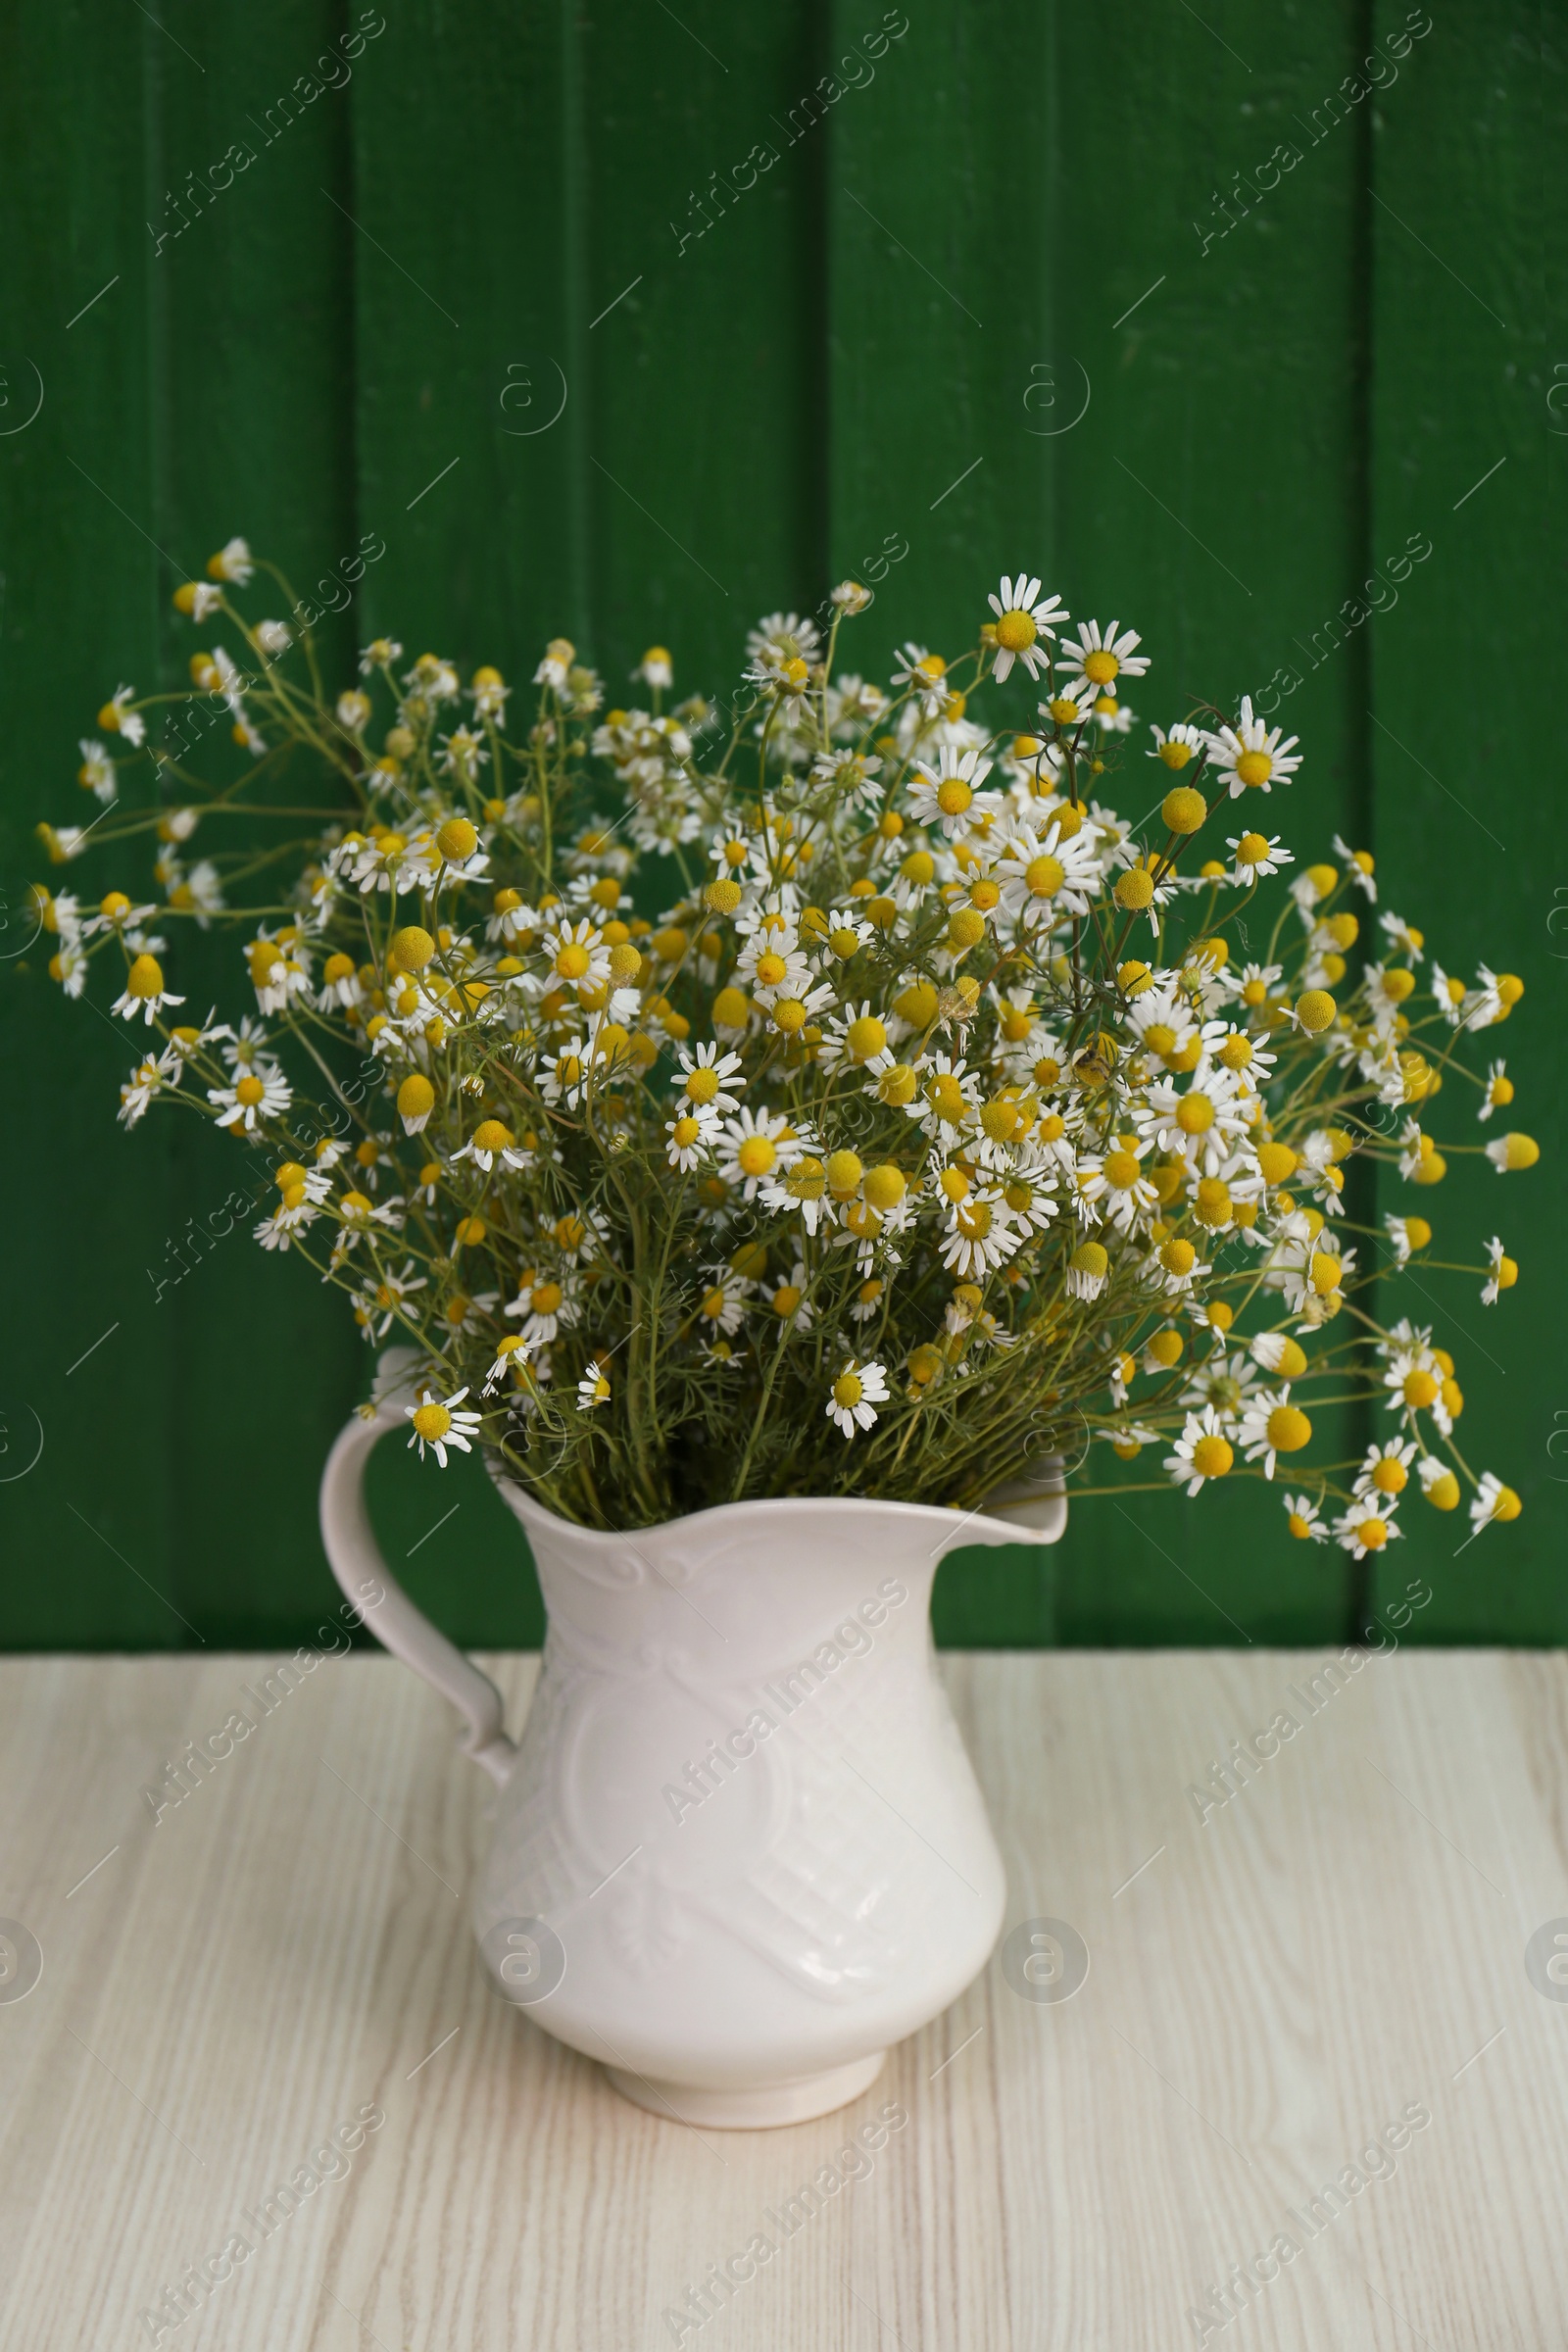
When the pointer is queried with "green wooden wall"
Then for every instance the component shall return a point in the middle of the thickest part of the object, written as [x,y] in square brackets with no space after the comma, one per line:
[1021,287]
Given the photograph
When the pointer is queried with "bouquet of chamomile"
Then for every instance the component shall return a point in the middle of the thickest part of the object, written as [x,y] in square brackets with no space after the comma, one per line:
[823,1091]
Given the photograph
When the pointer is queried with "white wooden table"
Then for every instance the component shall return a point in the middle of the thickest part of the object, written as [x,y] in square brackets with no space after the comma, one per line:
[1339,1949]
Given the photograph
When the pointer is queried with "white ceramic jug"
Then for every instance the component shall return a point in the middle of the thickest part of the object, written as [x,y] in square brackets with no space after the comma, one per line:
[739,1850]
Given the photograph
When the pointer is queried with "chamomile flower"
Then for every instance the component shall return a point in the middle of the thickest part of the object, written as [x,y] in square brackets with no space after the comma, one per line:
[1498,1092]
[1257,855]
[1357,869]
[1367,1525]
[146,1080]
[980,1236]
[578,958]
[1044,876]
[1098,657]
[952,797]
[544,1305]
[722,1304]
[691,1138]
[1503,1273]
[144,992]
[439,1423]
[1303,1518]
[262,1093]
[707,1073]
[845,933]
[1253,754]
[1407,1234]
[97,774]
[1112,1185]
[1023,621]
[856,1395]
[1508,1152]
[1385,1469]
[232,563]
[789,1300]
[755,1146]
[1178,745]
[382,1295]
[1271,1425]
[1202,1452]
[1403,938]
[925,676]
[1492,1501]
[593,1390]
[851,776]
[782,637]
[1437,1483]
[511,1354]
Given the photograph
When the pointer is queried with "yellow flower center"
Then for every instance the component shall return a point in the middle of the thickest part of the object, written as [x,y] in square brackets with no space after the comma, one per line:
[702,1084]
[1252,849]
[806,1180]
[145,977]
[1289,1430]
[770,970]
[249,1091]
[1065,710]
[847,1389]
[843,944]
[1102,666]
[546,1298]
[1420,1387]
[1044,876]
[573,962]
[946,1098]
[1015,630]
[1373,1533]
[1213,1456]
[865,1037]
[1121,1171]
[1254,767]
[1175,755]
[972,1218]
[432,1421]
[786,1297]
[686,1132]
[1391,1476]
[714,1304]
[954,795]
[1194,1115]
[756,1155]
[933,666]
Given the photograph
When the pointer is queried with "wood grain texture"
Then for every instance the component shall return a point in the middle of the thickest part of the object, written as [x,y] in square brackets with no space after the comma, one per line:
[1268,1990]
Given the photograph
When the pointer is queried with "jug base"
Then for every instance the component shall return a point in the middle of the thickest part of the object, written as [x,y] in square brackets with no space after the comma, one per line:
[754,2108]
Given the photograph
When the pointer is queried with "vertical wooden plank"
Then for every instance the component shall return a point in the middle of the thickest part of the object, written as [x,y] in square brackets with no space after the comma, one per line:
[563,210]
[1160,396]
[465,207]
[205,392]
[86,1528]
[255,359]
[1468,436]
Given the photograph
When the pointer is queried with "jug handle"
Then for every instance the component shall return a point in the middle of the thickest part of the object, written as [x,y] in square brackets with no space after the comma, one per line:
[373,1592]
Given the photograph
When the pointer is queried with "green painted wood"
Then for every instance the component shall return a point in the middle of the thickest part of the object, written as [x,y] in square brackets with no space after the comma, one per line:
[1469,210]
[638,326]
[205,392]
[1050,349]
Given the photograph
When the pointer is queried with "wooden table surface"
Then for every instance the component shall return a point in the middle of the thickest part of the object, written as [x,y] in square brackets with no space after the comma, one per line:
[1328,1978]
